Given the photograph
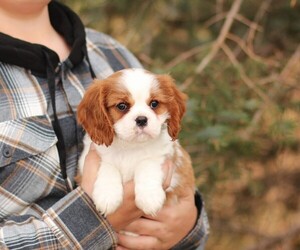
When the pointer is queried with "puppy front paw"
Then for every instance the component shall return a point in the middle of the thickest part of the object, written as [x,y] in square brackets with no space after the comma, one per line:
[107,199]
[150,200]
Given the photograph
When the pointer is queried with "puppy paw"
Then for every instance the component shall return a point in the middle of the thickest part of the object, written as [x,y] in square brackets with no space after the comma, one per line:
[150,201]
[107,199]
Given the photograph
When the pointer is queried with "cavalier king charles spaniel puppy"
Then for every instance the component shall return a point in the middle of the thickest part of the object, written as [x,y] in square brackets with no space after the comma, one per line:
[133,118]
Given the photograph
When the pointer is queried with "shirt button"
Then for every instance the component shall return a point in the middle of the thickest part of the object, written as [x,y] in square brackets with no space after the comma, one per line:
[7,152]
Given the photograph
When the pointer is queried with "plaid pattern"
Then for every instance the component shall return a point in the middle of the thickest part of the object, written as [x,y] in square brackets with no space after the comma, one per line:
[36,212]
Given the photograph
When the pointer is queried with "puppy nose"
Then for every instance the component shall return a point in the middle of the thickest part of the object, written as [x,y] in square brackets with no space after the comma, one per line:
[141,121]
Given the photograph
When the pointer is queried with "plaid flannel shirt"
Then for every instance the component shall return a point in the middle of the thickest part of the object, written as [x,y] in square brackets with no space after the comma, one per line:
[36,211]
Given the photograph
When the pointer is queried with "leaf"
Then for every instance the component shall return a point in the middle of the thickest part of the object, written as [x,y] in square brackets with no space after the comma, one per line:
[233,116]
[213,132]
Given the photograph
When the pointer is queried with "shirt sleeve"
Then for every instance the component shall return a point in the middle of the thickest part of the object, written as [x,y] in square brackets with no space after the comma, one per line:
[71,223]
[112,54]
[197,238]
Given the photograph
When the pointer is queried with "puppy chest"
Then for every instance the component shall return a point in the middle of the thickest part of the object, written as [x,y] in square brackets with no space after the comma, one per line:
[128,164]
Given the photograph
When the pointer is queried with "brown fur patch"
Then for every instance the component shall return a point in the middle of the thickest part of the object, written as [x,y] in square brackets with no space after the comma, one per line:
[186,172]
[175,101]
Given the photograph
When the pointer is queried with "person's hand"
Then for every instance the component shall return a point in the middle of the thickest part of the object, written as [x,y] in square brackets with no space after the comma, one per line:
[127,212]
[172,223]
[90,169]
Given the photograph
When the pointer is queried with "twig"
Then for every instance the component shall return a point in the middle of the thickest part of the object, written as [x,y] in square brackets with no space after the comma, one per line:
[247,132]
[244,47]
[137,21]
[249,36]
[268,79]
[218,17]
[244,77]
[259,15]
[291,64]
[293,3]
[185,55]
[249,52]
[219,6]
[187,83]
[220,10]
[145,58]
[222,36]
[249,23]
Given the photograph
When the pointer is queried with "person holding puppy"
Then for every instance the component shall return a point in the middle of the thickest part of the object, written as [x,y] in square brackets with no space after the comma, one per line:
[47,60]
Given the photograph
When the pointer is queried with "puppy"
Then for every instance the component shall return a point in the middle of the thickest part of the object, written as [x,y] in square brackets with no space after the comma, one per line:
[133,117]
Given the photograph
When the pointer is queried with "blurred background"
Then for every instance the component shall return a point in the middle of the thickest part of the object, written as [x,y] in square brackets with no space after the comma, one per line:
[239,62]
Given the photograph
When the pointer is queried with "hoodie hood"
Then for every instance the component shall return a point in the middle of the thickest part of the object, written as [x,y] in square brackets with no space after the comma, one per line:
[36,57]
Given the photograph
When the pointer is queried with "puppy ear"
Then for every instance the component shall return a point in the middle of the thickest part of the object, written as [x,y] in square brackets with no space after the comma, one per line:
[176,104]
[93,115]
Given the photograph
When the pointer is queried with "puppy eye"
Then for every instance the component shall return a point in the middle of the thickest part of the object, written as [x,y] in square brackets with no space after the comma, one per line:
[122,106]
[154,104]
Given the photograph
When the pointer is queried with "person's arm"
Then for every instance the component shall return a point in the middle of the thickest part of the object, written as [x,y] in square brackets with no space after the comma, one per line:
[71,223]
[181,225]
[198,236]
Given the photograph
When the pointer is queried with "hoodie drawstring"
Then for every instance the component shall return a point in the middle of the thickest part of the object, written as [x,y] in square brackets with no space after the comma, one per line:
[60,143]
[89,62]
[50,72]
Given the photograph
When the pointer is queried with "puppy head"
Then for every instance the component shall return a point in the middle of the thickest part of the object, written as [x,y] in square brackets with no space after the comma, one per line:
[132,104]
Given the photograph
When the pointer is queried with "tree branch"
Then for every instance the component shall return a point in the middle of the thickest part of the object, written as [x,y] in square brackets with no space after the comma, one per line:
[243,75]
[222,36]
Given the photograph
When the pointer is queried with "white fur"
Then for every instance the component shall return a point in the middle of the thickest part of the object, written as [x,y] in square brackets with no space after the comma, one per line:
[135,153]
[124,161]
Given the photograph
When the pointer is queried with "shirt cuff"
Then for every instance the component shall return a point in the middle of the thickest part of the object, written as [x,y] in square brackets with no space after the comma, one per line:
[78,225]
[196,239]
